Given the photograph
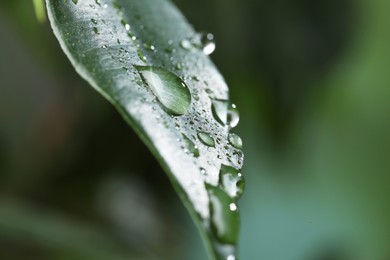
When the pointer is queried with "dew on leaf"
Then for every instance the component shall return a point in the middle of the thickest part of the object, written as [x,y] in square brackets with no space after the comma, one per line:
[219,108]
[231,181]
[233,117]
[169,89]
[206,139]
[224,221]
[192,148]
[186,44]
[208,44]
[233,206]
[235,140]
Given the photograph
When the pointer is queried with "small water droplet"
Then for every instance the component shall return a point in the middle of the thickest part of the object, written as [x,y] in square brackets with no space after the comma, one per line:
[206,139]
[186,44]
[208,44]
[104,46]
[75,1]
[233,117]
[169,89]
[179,66]
[149,46]
[233,206]
[224,222]
[196,97]
[95,30]
[203,171]
[235,140]
[98,2]
[192,148]
[232,181]
[94,21]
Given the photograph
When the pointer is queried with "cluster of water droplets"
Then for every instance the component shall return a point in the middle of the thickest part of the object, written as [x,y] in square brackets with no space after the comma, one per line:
[201,41]
[205,132]
[200,134]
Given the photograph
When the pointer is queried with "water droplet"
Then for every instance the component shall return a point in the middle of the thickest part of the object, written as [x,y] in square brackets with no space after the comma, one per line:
[94,21]
[219,108]
[203,171]
[95,30]
[233,117]
[208,44]
[224,222]
[75,1]
[231,257]
[233,206]
[186,44]
[206,139]
[98,2]
[169,89]
[232,181]
[149,46]
[179,66]
[192,148]
[104,46]
[235,140]
[196,97]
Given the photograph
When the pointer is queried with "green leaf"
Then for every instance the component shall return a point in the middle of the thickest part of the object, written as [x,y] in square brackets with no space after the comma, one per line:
[152,66]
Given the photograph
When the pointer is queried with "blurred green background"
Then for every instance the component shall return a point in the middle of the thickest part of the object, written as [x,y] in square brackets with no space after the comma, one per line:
[312,82]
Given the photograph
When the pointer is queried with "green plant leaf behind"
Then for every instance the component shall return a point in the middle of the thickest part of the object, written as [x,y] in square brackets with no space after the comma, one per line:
[153,67]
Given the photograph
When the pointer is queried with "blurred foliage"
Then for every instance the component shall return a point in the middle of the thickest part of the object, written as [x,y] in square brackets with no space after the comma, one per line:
[312,84]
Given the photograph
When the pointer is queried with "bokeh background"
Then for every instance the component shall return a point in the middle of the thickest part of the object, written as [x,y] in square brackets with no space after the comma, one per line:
[312,82]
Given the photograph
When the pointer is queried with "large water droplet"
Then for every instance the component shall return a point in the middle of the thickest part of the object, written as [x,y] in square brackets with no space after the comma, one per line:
[235,140]
[232,181]
[206,139]
[208,44]
[192,148]
[169,89]
[224,221]
[233,117]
